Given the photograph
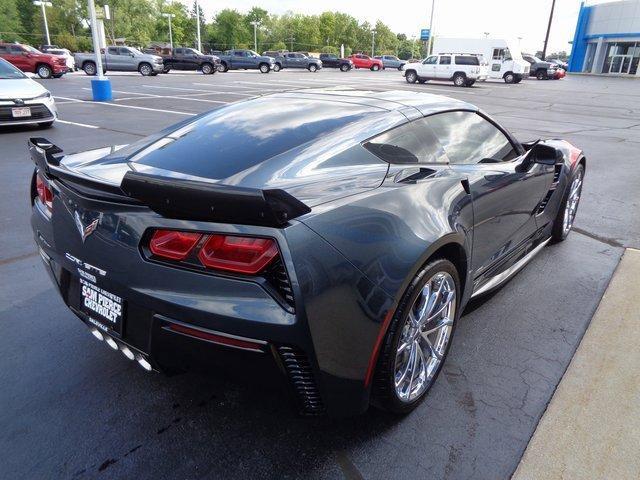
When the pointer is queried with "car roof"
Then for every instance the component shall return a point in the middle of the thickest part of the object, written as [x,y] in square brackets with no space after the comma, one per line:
[391,100]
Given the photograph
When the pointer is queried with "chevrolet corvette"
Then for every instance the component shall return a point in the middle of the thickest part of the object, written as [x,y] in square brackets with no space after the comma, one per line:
[335,234]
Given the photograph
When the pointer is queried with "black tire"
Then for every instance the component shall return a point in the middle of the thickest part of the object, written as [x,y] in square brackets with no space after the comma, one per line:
[384,391]
[559,232]
[277,67]
[542,75]
[459,79]
[89,68]
[58,75]
[509,77]
[344,67]
[45,124]
[313,68]
[166,69]
[145,69]
[223,67]
[264,68]
[375,67]
[44,71]
[517,80]
[422,80]
[207,69]
[469,83]
[411,76]
[400,68]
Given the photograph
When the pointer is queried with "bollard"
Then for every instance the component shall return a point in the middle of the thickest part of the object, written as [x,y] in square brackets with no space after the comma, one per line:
[101,88]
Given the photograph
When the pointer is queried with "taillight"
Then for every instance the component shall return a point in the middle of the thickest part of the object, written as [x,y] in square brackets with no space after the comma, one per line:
[247,255]
[230,253]
[172,244]
[45,194]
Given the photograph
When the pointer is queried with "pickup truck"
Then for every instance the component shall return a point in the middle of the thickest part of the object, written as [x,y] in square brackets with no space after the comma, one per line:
[28,59]
[245,60]
[542,70]
[183,58]
[390,61]
[121,59]
[331,60]
[297,60]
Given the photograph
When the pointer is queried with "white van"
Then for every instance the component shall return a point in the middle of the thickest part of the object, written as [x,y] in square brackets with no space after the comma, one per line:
[462,70]
[502,57]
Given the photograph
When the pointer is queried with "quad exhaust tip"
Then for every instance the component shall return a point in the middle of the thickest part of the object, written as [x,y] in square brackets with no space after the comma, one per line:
[126,351]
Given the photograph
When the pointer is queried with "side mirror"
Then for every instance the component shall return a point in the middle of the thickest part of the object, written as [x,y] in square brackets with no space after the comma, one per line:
[542,154]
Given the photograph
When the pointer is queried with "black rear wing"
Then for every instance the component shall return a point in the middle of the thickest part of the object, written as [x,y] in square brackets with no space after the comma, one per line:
[179,198]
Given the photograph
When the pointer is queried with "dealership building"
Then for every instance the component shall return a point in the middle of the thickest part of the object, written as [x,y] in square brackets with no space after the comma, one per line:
[607,38]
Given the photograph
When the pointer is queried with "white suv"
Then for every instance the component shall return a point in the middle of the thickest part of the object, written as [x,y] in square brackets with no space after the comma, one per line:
[463,70]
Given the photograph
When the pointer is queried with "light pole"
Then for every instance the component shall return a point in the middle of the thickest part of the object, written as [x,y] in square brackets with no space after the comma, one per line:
[255,24]
[430,43]
[44,4]
[198,25]
[546,37]
[373,41]
[169,16]
[101,86]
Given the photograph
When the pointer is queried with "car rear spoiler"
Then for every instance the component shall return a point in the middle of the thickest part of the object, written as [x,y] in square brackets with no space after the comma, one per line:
[183,198]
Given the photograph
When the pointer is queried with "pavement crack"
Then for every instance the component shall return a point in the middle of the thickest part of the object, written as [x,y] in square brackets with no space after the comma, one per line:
[609,241]
[17,258]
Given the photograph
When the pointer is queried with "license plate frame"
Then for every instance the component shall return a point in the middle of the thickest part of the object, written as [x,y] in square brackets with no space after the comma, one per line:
[21,112]
[105,309]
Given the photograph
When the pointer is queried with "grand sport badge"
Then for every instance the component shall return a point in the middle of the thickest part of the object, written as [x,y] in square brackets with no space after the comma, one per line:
[84,231]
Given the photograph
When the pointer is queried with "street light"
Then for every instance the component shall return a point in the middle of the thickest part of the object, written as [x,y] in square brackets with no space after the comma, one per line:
[255,24]
[169,16]
[430,43]
[101,86]
[198,25]
[373,41]
[43,4]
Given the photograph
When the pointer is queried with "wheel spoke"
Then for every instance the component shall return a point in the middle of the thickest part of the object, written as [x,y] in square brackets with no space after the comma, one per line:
[450,297]
[443,322]
[432,351]
[408,366]
[417,349]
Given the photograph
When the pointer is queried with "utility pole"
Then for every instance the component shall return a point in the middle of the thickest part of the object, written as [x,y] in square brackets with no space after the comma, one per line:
[546,38]
[100,86]
[291,39]
[198,25]
[255,24]
[430,43]
[373,42]
[169,16]
[44,4]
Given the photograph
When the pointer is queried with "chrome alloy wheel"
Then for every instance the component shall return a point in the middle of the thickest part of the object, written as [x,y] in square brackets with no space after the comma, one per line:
[572,203]
[425,336]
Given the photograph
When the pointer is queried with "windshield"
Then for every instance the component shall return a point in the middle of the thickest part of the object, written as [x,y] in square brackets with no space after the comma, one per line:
[196,51]
[135,50]
[9,72]
[251,52]
[31,49]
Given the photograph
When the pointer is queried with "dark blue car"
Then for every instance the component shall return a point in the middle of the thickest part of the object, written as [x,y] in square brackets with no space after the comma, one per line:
[334,236]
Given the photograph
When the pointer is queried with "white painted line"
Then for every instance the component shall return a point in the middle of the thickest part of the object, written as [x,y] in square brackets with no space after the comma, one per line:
[200,90]
[145,108]
[69,99]
[67,122]
[151,95]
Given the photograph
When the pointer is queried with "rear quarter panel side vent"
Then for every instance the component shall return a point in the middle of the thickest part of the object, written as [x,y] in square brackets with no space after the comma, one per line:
[554,185]
[298,368]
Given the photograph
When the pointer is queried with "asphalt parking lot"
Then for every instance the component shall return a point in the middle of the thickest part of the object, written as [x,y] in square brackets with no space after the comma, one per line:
[72,408]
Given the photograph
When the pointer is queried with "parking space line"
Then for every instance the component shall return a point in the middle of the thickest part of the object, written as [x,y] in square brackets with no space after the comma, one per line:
[85,125]
[200,90]
[132,106]
[142,96]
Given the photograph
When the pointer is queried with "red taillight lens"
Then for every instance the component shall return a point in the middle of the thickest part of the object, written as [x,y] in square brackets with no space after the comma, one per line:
[247,255]
[45,194]
[172,244]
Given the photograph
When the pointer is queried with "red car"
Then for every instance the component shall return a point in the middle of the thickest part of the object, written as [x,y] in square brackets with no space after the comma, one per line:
[365,61]
[28,59]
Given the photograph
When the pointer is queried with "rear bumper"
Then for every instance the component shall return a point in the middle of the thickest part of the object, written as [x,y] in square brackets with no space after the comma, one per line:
[177,319]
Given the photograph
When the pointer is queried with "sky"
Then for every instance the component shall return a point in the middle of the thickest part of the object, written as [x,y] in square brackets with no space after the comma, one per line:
[460,18]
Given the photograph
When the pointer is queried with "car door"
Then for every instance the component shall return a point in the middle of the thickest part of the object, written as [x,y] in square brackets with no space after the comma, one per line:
[18,57]
[177,59]
[505,187]
[113,59]
[443,70]
[427,68]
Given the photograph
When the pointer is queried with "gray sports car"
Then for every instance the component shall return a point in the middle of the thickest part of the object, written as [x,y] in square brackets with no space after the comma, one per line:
[334,235]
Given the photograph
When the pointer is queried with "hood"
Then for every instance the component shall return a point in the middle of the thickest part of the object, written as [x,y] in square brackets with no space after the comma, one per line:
[24,88]
[308,146]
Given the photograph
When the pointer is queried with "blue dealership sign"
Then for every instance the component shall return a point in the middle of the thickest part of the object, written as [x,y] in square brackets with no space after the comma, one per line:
[425,33]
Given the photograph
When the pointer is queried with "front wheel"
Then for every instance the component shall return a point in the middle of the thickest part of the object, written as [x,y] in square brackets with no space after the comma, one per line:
[419,337]
[509,77]
[459,80]
[563,223]
[264,68]
[145,69]
[207,69]
[166,69]
[344,68]
[313,68]
[375,68]
[411,76]
[422,81]
[223,67]
[44,71]
[541,75]
[277,67]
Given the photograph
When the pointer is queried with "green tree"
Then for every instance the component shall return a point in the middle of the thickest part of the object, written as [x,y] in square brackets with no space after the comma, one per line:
[10,21]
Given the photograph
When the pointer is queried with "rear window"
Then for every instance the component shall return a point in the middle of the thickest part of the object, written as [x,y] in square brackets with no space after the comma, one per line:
[235,138]
[467,60]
